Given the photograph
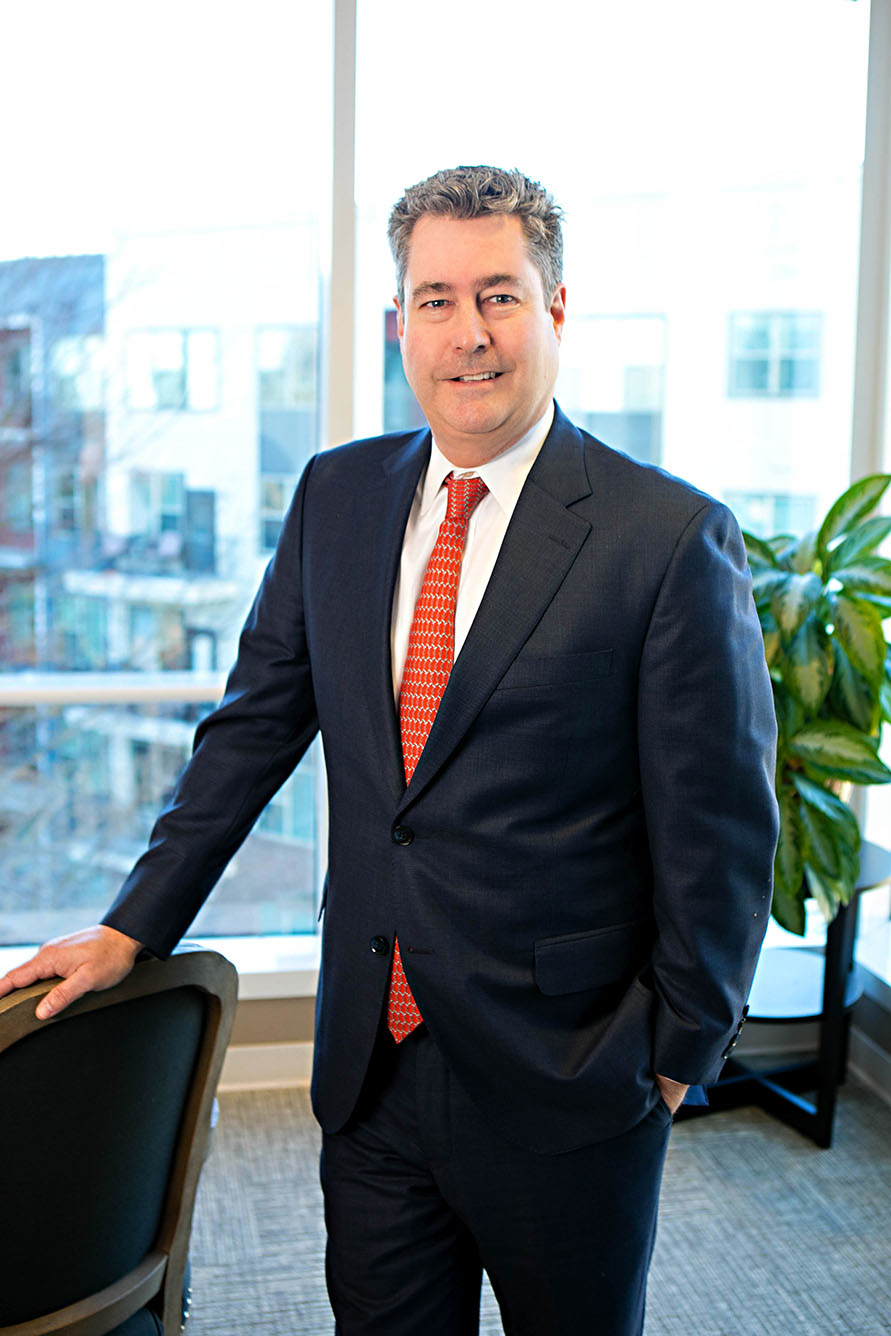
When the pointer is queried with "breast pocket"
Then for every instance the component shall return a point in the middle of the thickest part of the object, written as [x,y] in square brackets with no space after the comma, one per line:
[596,959]
[556,670]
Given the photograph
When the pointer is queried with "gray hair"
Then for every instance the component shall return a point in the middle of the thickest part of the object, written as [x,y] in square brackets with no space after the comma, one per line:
[475,192]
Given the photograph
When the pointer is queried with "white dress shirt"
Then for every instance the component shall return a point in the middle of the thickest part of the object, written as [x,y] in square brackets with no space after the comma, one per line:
[504,476]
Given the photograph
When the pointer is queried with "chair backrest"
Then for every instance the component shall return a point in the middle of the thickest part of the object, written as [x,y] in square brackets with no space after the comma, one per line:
[104,1120]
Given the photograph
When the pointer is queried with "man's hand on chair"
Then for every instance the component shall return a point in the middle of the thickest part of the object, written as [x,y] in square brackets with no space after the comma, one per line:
[86,961]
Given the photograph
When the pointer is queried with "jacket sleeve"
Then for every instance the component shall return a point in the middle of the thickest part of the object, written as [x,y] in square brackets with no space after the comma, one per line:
[707,739]
[243,753]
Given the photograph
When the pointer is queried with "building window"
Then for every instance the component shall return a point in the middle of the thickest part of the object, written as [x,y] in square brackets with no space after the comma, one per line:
[173,369]
[77,373]
[287,398]
[83,623]
[15,378]
[65,502]
[16,501]
[158,639]
[769,513]
[16,623]
[402,412]
[774,355]
[157,502]
[287,367]
[275,493]
[612,380]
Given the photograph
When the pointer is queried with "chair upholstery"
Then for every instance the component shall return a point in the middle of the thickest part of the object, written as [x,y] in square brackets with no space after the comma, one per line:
[104,1119]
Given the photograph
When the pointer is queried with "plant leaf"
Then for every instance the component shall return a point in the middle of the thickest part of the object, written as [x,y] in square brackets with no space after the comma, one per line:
[859,629]
[788,910]
[772,646]
[852,696]
[781,544]
[807,666]
[838,812]
[788,867]
[885,698]
[871,575]
[821,847]
[793,599]
[865,538]
[836,750]
[764,582]
[880,601]
[850,873]
[853,505]
[804,557]
[824,891]
[790,716]
[758,552]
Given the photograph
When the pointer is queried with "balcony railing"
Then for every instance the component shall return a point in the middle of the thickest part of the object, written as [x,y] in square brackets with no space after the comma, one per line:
[86,762]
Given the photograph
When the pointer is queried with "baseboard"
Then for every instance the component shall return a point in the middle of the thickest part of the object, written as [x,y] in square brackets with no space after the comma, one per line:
[871,1064]
[266,1066]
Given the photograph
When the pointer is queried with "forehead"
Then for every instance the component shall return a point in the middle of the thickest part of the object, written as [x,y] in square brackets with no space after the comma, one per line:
[460,251]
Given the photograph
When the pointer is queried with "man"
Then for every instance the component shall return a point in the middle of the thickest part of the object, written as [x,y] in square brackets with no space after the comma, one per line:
[549,864]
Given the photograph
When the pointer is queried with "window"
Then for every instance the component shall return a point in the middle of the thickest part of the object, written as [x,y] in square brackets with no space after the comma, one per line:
[612,375]
[287,397]
[159,357]
[78,373]
[158,503]
[287,368]
[83,629]
[774,355]
[15,378]
[275,493]
[769,513]
[157,638]
[173,369]
[402,412]
[16,516]
[16,624]
[181,309]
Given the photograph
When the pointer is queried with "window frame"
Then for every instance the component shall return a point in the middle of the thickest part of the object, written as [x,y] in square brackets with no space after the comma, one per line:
[775,355]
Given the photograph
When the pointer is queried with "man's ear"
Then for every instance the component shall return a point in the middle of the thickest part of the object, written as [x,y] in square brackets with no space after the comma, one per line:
[400,319]
[557,310]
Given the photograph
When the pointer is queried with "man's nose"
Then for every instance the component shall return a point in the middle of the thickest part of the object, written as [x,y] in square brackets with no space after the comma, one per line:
[471,331]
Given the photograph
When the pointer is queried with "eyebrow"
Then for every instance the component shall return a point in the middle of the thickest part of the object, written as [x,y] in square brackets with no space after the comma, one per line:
[433,288]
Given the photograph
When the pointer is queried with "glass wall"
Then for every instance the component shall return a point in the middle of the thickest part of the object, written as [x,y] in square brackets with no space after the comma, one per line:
[166,197]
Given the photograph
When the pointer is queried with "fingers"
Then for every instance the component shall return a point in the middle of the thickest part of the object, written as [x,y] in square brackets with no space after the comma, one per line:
[672,1092]
[93,959]
[65,993]
[32,971]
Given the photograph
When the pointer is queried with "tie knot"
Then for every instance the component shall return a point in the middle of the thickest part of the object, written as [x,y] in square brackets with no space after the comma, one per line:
[464,494]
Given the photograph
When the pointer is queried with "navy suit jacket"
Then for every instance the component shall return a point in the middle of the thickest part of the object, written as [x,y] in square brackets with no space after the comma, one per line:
[579,872]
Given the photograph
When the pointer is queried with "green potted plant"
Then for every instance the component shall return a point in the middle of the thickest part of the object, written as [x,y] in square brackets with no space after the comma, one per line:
[822,599]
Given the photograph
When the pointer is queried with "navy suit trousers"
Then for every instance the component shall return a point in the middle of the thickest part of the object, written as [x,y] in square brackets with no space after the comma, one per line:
[421,1194]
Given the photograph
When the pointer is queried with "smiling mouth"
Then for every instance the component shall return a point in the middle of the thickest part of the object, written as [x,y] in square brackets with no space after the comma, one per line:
[479,375]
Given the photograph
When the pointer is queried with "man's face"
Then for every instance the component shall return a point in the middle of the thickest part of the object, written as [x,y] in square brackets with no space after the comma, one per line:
[479,344]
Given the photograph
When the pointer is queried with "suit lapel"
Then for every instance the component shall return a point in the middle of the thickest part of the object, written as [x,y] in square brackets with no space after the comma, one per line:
[380,550]
[541,543]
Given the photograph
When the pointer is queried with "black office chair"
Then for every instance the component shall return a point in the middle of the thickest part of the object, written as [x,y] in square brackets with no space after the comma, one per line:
[104,1120]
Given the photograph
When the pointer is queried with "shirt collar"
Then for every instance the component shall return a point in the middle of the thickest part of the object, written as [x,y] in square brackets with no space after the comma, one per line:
[504,475]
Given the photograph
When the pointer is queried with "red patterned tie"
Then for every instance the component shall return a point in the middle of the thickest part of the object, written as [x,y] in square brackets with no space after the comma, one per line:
[428,662]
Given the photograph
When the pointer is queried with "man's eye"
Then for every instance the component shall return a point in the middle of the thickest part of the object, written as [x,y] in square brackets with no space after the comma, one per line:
[436,304]
[501,298]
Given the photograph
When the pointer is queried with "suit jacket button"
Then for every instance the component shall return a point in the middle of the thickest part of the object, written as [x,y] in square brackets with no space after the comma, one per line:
[380,946]
[403,834]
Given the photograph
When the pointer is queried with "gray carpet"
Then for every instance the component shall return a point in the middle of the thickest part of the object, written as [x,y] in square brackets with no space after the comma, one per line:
[761,1234]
